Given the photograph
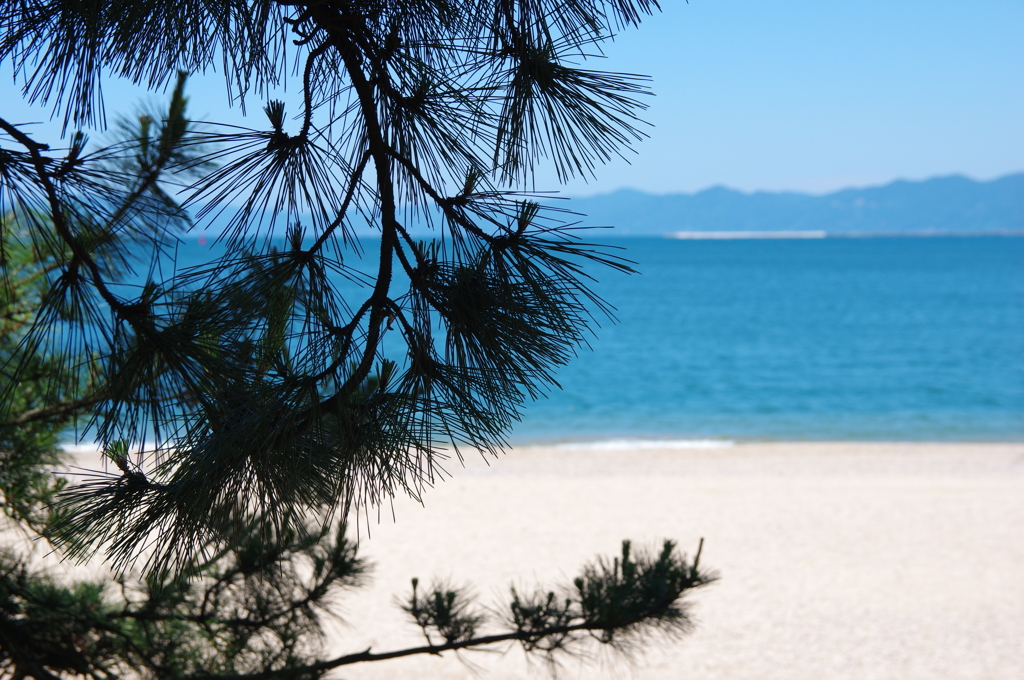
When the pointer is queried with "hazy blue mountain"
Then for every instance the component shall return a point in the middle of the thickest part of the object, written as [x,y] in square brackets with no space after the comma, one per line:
[953,204]
[943,204]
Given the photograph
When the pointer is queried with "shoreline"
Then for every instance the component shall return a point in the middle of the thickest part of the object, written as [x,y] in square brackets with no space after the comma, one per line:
[703,456]
[787,458]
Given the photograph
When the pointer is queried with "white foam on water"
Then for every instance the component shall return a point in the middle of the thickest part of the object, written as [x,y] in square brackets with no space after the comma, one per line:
[78,449]
[633,444]
[94,449]
[737,235]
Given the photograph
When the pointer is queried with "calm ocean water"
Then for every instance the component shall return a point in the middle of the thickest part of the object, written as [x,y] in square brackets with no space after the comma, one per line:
[831,339]
[888,338]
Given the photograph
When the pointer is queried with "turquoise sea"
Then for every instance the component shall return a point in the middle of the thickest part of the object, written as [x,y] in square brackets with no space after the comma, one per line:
[795,339]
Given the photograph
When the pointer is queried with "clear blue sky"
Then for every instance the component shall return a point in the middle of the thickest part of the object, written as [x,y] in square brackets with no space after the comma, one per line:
[803,95]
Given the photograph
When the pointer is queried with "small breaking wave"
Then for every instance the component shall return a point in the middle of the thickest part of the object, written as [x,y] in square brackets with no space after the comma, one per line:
[81,449]
[634,444]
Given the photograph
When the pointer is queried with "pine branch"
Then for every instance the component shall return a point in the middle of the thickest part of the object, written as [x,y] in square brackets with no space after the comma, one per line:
[53,411]
[314,670]
[57,216]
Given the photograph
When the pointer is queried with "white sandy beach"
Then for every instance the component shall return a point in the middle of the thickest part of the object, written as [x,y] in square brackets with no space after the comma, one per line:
[838,560]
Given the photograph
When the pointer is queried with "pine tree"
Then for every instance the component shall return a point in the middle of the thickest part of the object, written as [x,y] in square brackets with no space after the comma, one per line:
[251,406]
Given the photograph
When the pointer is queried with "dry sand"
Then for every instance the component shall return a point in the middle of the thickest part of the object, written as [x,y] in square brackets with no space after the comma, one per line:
[838,560]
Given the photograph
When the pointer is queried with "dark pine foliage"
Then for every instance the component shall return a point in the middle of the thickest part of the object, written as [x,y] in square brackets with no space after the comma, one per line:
[251,405]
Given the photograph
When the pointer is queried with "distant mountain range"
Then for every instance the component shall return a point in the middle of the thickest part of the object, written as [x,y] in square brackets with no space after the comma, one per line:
[943,205]
[953,204]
